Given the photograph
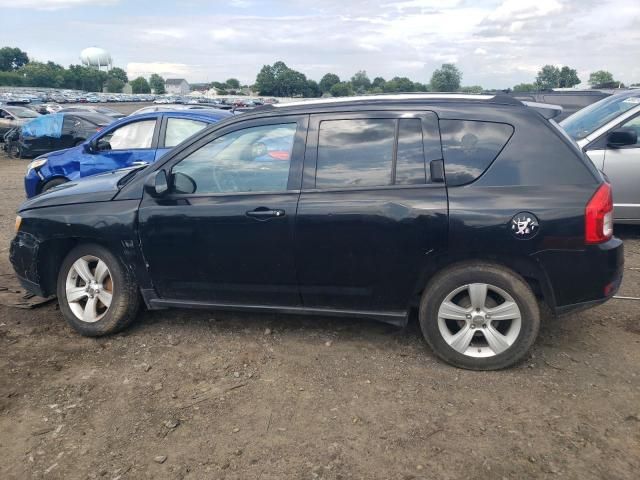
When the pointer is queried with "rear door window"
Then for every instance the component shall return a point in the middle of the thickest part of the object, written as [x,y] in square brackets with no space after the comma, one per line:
[410,164]
[470,146]
[355,153]
[179,129]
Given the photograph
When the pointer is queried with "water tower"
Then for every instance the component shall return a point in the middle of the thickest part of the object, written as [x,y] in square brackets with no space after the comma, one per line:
[94,57]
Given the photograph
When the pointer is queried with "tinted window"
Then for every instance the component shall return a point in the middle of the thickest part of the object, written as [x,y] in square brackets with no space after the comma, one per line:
[410,164]
[255,159]
[131,136]
[355,153]
[179,129]
[469,147]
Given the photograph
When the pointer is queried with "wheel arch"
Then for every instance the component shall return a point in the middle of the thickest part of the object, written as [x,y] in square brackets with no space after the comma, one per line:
[42,183]
[526,267]
[52,252]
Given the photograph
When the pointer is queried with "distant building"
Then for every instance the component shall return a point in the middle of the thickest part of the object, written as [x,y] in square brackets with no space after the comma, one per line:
[127,88]
[176,86]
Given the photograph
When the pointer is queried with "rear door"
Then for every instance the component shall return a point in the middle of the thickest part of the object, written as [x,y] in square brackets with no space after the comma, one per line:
[124,146]
[370,215]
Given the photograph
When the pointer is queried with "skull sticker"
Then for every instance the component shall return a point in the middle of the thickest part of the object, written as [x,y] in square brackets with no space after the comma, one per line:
[524,225]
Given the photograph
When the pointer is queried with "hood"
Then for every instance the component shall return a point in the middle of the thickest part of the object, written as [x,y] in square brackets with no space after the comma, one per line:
[98,188]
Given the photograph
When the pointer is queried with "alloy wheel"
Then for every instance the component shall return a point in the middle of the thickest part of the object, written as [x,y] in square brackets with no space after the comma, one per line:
[479,320]
[89,288]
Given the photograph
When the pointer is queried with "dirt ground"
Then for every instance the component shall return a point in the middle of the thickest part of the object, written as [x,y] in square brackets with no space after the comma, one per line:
[210,395]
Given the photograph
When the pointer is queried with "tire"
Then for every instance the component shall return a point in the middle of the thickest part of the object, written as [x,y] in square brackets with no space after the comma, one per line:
[477,339]
[99,318]
[53,183]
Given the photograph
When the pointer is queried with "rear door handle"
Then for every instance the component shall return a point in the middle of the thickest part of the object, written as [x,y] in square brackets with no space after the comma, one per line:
[263,213]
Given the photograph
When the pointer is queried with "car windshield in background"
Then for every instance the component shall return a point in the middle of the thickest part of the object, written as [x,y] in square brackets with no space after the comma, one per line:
[589,119]
[22,112]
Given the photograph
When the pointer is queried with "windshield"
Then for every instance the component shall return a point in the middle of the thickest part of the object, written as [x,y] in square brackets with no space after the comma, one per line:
[22,112]
[589,119]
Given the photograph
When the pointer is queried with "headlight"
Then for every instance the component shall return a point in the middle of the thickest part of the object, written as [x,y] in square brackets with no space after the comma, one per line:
[18,222]
[36,164]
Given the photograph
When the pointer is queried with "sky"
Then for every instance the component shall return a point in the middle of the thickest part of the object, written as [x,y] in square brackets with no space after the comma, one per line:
[496,44]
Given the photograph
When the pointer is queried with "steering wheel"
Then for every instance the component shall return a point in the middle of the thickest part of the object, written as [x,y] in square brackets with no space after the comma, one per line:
[225,184]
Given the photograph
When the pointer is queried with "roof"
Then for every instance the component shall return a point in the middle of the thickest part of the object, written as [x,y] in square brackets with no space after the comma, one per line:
[174,81]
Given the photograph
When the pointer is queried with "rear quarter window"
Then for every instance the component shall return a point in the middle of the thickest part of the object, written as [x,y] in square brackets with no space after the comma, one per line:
[469,147]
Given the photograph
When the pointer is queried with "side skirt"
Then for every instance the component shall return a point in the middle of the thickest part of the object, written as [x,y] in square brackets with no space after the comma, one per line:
[395,318]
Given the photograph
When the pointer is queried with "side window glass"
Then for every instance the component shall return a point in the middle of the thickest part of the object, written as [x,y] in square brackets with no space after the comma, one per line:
[410,164]
[179,129]
[130,136]
[255,159]
[633,124]
[355,153]
[469,147]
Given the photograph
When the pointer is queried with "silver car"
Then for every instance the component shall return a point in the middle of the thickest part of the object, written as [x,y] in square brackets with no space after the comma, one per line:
[14,116]
[608,131]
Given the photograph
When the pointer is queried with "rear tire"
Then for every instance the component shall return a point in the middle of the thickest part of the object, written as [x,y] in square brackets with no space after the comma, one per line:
[96,292]
[53,183]
[479,316]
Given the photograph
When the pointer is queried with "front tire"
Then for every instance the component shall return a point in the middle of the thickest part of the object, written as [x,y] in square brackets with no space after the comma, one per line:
[479,316]
[97,294]
[53,183]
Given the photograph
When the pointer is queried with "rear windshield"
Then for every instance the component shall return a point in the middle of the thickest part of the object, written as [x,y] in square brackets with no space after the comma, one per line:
[470,146]
[22,112]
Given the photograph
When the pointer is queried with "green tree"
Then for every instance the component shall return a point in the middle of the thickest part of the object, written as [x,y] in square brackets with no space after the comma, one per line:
[341,89]
[140,85]
[12,59]
[114,85]
[568,77]
[328,81]
[233,84]
[38,74]
[360,81]
[472,89]
[446,79]
[525,87]
[281,81]
[420,87]
[399,84]
[312,90]
[11,79]
[601,77]
[548,77]
[156,83]
[378,82]
[118,73]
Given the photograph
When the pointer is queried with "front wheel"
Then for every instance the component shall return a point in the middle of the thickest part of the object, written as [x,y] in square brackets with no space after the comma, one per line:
[96,293]
[479,316]
[53,183]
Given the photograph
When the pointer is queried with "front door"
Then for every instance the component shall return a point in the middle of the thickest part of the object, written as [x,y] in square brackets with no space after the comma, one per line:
[223,233]
[622,167]
[123,146]
[370,214]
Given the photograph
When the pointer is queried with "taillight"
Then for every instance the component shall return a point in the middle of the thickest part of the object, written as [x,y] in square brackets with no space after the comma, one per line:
[598,216]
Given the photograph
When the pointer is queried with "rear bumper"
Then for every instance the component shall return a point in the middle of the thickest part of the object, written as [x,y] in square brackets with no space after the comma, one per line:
[585,278]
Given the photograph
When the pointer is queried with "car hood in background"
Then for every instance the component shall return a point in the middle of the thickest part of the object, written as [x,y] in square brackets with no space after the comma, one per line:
[97,188]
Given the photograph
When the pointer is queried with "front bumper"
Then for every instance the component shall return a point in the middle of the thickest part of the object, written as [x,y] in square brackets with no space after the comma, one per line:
[23,255]
[585,278]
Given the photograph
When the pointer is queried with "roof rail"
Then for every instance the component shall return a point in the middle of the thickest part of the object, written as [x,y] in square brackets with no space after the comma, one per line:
[387,96]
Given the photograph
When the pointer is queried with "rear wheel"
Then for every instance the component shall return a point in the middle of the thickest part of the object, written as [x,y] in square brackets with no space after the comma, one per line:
[53,183]
[96,293]
[479,316]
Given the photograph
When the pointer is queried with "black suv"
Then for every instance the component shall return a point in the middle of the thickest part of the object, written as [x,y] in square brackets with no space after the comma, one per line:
[471,210]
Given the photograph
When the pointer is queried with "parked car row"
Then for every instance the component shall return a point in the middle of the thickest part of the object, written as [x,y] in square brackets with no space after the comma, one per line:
[470,210]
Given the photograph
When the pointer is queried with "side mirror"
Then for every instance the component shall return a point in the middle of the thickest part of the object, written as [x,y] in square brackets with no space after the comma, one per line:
[183,183]
[622,137]
[89,147]
[156,183]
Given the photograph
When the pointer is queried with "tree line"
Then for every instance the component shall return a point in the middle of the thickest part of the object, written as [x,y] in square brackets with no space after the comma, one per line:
[281,81]
[17,70]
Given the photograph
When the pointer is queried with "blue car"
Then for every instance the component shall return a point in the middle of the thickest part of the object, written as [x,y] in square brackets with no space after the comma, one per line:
[135,140]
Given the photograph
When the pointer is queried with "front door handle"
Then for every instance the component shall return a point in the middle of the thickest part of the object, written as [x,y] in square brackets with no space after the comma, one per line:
[262,213]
